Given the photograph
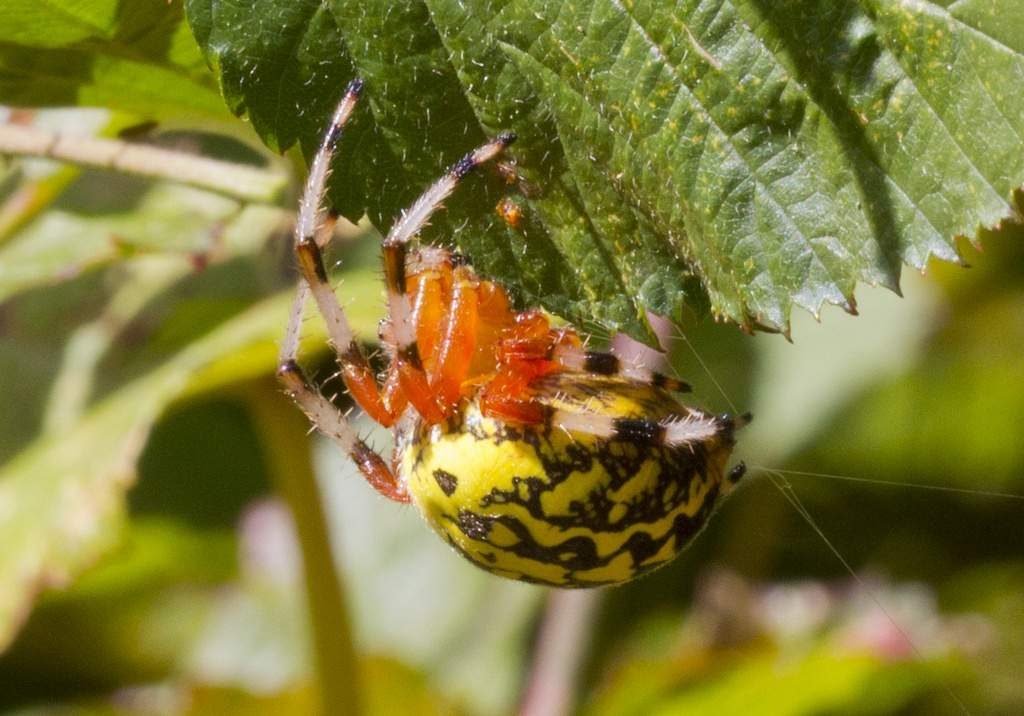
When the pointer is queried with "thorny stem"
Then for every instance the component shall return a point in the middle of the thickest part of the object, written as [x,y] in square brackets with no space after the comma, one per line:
[284,435]
[565,629]
[238,181]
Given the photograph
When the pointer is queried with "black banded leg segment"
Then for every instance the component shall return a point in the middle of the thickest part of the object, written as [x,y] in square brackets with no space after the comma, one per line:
[602,363]
[672,432]
[310,235]
[312,230]
[332,423]
[356,372]
[416,216]
[413,378]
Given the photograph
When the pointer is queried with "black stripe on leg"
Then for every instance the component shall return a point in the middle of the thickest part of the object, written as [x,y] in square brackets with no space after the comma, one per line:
[288,368]
[411,355]
[311,258]
[353,356]
[469,162]
[352,92]
[639,431]
[726,428]
[291,377]
[600,363]
[660,380]
[464,166]
[355,87]
[394,267]
[365,458]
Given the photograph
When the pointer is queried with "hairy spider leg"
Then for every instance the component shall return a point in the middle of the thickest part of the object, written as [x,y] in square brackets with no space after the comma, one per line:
[458,320]
[458,339]
[696,426]
[356,372]
[311,231]
[431,277]
[412,376]
[330,421]
[576,358]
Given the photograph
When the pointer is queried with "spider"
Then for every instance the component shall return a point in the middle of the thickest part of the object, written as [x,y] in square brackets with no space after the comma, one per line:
[535,458]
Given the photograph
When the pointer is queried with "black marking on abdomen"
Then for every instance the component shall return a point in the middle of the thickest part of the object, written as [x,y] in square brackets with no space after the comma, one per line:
[475,526]
[446,481]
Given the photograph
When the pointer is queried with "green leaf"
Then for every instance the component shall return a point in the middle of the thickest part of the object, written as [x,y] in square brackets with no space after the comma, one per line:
[78,234]
[772,153]
[134,55]
[161,582]
[821,682]
[954,418]
[62,497]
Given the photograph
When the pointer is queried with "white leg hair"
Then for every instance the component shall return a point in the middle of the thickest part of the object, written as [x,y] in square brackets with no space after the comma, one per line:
[311,225]
[672,432]
[321,412]
[311,204]
[290,344]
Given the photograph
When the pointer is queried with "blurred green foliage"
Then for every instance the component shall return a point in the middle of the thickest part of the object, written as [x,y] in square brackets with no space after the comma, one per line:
[139,323]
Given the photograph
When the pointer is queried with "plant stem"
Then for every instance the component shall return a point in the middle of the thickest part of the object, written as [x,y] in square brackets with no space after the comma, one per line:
[285,435]
[561,645]
[238,181]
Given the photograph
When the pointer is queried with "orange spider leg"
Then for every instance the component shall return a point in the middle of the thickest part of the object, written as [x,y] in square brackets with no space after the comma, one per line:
[524,355]
[408,361]
[458,343]
[408,355]
[418,392]
[361,383]
[428,312]
[506,397]
[427,315]
[392,393]
[432,295]
[494,319]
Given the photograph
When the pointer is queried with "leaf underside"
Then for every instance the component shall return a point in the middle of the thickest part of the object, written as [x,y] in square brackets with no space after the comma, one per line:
[759,154]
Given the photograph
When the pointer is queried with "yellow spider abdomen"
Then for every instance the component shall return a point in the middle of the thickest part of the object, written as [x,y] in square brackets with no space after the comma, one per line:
[537,504]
